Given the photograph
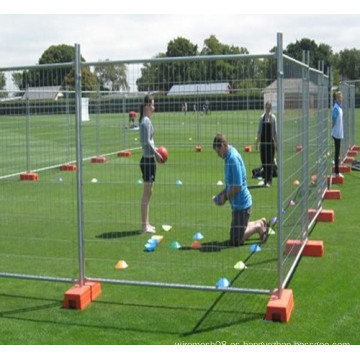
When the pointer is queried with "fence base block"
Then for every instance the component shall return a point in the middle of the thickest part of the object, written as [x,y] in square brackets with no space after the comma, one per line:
[313,248]
[68,167]
[29,176]
[343,169]
[79,297]
[349,160]
[337,180]
[352,153]
[332,195]
[280,308]
[124,154]
[98,159]
[355,147]
[95,289]
[326,216]
[323,216]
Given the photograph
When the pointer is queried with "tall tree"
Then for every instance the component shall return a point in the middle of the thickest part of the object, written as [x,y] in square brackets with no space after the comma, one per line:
[150,75]
[224,70]
[112,77]
[318,53]
[55,54]
[160,76]
[181,47]
[349,64]
[2,85]
[212,46]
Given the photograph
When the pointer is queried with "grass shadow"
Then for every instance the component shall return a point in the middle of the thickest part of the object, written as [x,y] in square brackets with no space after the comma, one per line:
[118,234]
[217,246]
[241,308]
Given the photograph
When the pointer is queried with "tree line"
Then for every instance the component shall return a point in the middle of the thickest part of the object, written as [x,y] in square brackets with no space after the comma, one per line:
[161,76]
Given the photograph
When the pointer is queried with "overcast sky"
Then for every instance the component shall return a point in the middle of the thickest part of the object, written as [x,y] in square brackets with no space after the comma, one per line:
[24,37]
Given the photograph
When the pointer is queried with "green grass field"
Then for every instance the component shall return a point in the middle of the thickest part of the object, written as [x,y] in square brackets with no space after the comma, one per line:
[39,237]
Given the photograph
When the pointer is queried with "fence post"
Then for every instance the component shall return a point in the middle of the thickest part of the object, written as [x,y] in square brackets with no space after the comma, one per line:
[280,108]
[79,179]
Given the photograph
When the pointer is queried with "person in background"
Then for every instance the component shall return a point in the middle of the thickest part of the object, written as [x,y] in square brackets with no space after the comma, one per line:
[132,117]
[267,136]
[337,129]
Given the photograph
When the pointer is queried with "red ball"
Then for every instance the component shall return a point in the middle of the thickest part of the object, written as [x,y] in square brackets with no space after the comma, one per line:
[163,152]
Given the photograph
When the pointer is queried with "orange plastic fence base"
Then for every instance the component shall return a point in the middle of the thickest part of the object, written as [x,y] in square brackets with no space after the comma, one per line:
[323,216]
[29,176]
[68,167]
[349,160]
[79,297]
[248,148]
[95,289]
[336,180]
[280,308]
[124,154]
[313,248]
[198,148]
[332,195]
[352,153]
[98,159]
[355,147]
[342,169]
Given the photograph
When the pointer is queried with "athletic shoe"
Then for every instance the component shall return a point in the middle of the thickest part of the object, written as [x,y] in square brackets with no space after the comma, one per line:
[148,230]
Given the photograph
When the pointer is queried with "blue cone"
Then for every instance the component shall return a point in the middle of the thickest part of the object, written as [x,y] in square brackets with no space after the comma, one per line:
[223,283]
[255,248]
[152,242]
[149,247]
[198,236]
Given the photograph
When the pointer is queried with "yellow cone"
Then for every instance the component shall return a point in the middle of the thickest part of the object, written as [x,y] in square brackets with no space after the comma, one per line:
[240,266]
[121,264]
[159,238]
[166,227]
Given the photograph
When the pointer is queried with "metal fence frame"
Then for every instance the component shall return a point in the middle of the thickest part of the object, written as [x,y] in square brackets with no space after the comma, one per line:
[283,276]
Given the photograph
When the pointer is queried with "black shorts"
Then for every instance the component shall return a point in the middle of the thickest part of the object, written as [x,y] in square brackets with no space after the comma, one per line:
[148,168]
[240,219]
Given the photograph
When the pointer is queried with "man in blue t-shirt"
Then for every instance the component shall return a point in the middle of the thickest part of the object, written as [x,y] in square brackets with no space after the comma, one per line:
[337,130]
[238,194]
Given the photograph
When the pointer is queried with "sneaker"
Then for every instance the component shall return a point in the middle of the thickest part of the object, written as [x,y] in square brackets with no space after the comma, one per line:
[148,229]
[340,175]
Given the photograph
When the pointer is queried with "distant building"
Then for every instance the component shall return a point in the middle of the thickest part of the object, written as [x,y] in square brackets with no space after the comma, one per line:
[293,93]
[199,89]
[43,93]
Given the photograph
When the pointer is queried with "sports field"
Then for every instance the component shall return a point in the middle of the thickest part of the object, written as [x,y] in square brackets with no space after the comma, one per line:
[39,227]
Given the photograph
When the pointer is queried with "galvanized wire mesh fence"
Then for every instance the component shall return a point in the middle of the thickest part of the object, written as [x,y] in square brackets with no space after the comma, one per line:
[90,218]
